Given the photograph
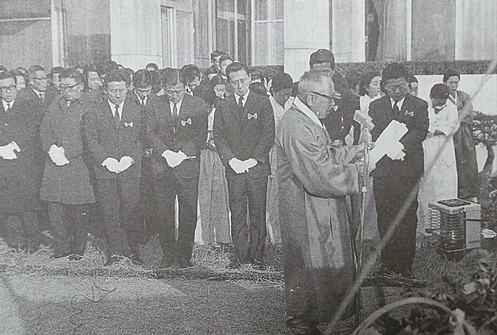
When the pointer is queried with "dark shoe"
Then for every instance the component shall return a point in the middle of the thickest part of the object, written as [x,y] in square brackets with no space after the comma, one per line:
[137,260]
[185,263]
[75,257]
[408,274]
[166,262]
[111,260]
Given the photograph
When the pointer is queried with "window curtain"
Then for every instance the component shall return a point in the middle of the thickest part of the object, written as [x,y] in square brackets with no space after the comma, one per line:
[392,17]
[476,26]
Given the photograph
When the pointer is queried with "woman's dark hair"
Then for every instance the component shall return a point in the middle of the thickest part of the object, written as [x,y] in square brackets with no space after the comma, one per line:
[365,81]
[450,73]
[258,88]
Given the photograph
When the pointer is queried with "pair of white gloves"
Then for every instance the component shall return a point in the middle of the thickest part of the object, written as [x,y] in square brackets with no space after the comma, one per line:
[174,159]
[240,166]
[115,166]
[9,151]
[58,155]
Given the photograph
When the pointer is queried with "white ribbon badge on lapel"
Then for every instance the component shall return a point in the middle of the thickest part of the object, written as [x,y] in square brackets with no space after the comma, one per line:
[407,113]
[335,108]
[184,123]
[252,116]
[128,124]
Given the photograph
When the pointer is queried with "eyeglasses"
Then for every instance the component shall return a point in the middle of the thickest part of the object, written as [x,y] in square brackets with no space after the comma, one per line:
[397,87]
[332,99]
[172,92]
[144,90]
[10,88]
[115,91]
[40,78]
[63,88]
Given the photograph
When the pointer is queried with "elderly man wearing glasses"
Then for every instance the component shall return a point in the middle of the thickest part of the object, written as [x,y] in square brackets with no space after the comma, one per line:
[66,181]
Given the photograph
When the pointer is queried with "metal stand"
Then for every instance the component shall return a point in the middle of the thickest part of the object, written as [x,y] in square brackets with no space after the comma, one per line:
[360,231]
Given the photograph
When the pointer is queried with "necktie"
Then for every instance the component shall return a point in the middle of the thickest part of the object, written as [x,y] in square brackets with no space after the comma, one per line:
[42,96]
[175,116]
[143,102]
[395,110]
[8,106]
[116,115]
[240,106]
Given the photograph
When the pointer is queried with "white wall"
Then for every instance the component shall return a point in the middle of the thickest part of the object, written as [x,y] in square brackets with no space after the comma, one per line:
[135,28]
[307,27]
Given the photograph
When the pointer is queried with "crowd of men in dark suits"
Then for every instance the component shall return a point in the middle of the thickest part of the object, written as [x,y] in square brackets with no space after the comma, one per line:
[108,154]
[105,147]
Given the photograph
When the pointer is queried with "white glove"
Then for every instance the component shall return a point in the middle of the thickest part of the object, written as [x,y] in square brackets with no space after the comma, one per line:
[173,159]
[58,155]
[8,151]
[395,151]
[249,163]
[237,165]
[111,164]
[125,163]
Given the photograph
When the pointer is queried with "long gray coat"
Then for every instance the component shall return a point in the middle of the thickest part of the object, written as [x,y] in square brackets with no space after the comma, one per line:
[313,180]
[62,125]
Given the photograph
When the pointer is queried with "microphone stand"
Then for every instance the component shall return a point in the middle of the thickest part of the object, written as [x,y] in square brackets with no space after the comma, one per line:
[360,232]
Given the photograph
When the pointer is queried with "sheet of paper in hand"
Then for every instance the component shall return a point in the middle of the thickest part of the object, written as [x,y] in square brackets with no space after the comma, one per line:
[391,135]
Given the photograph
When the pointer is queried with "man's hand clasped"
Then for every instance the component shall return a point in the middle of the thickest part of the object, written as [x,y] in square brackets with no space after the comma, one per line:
[118,166]
[9,151]
[240,166]
[58,155]
[174,159]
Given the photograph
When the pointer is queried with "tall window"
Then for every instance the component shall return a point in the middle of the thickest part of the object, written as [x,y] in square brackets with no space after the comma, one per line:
[268,41]
[231,28]
[426,30]
[25,33]
[177,36]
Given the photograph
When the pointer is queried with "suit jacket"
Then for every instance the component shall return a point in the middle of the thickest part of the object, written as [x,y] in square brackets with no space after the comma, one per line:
[63,126]
[414,114]
[105,139]
[29,94]
[245,134]
[19,178]
[188,134]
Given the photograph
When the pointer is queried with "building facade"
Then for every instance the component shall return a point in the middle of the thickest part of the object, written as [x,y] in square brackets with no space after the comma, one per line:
[257,32]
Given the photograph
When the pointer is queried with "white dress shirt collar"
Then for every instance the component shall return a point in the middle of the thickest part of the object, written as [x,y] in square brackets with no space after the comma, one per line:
[4,103]
[178,106]
[245,96]
[113,108]
[307,111]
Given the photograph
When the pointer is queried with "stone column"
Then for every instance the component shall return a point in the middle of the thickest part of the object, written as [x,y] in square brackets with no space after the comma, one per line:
[307,28]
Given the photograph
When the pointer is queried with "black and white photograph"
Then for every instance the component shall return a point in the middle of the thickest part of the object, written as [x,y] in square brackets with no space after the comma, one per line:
[248,167]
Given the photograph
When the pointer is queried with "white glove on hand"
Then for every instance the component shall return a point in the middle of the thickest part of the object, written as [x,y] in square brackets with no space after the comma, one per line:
[8,151]
[249,163]
[237,165]
[173,159]
[58,155]
[111,164]
[125,163]
[395,151]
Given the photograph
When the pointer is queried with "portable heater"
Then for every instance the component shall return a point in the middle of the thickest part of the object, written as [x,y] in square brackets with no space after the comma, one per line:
[457,223]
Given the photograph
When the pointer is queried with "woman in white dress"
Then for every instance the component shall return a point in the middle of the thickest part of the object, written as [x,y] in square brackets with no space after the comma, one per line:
[440,178]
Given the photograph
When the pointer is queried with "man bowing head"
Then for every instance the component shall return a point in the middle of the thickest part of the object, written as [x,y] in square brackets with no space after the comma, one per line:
[244,134]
